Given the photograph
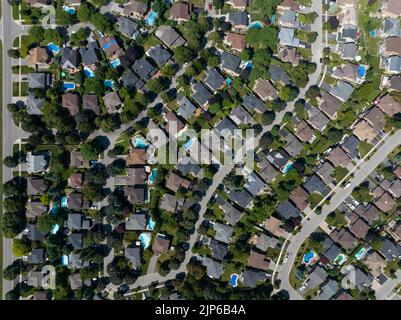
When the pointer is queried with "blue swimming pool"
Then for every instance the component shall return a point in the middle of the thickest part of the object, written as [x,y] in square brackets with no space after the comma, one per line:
[273,18]
[140,143]
[150,21]
[151,224]
[54,208]
[359,255]
[234,280]
[144,238]
[187,145]
[53,48]
[115,63]
[109,44]
[152,176]
[63,202]
[64,260]
[248,65]
[256,24]
[287,167]
[89,73]
[372,33]
[361,71]
[54,229]
[108,83]
[308,256]
[228,81]
[68,86]
[69,10]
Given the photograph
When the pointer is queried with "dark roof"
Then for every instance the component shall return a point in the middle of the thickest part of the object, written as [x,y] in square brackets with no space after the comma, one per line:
[243,197]
[133,255]
[252,102]
[76,240]
[219,249]
[238,18]
[33,233]
[39,80]
[36,186]
[128,58]
[127,26]
[287,210]
[89,56]
[315,184]
[213,79]
[252,277]
[186,108]
[159,54]
[130,80]
[69,58]
[200,94]
[37,256]
[91,102]
[137,221]
[230,62]
[144,69]
[277,74]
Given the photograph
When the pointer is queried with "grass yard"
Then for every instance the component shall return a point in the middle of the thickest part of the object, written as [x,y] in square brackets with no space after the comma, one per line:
[364,148]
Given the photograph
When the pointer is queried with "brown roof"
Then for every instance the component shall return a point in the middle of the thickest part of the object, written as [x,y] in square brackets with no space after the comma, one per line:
[71,101]
[304,131]
[257,260]
[389,106]
[290,54]
[375,263]
[265,90]
[180,11]
[393,8]
[76,180]
[385,202]
[299,196]
[344,296]
[392,46]
[37,55]
[112,101]
[136,176]
[76,159]
[397,172]
[35,209]
[91,102]
[36,186]
[137,8]
[273,225]
[371,214]
[236,41]
[397,230]
[364,131]
[174,182]
[160,245]
[378,192]
[289,4]
[375,117]
[136,156]
[344,238]
[172,118]
[360,228]
[338,157]
[329,105]
[135,195]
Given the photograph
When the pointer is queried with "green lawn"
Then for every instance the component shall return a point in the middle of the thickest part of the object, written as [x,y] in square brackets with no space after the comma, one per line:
[364,148]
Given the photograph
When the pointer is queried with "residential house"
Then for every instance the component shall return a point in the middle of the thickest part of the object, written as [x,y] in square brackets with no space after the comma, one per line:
[131,81]
[389,105]
[326,171]
[315,185]
[289,19]
[91,102]
[219,249]
[338,157]
[375,263]
[89,57]
[39,80]
[243,197]
[348,33]
[317,119]
[238,19]
[257,261]
[328,290]
[273,225]
[160,245]
[342,91]
[38,57]
[265,90]
[293,146]
[347,51]
[392,65]
[37,256]
[174,182]
[169,36]
[349,73]
[385,203]
[128,27]
[238,4]
[254,184]
[76,240]
[72,102]
[34,105]
[240,116]
[76,159]
[76,180]
[180,11]
[214,269]
[390,28]
[36,186]
[213,80]
[35,209]
[278,75]
[136,222]
[144,69]
[304,132]
[111,47]
[267,172]
[391,9]
[136,176]
[235,41]
[201,95]
[174,125]
[76,201]
[278,158]
[168,202]
[264,242]
[135,195]
[299,197]
[390,47]
[287,210]
[351,147]
[251,277]
[223,232]
[289,54]
[133,254]
[36,163]
[253,103]
[112,102]
[344,238]
[77,221]
[136,156]
[287,38]
[395,188]
[186,109]
[136,9]
[230,63]
[159,54]
[316,278]
[70,59]
[359,228]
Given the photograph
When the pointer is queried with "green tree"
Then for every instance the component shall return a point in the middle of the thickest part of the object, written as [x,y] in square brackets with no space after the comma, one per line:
[21,247]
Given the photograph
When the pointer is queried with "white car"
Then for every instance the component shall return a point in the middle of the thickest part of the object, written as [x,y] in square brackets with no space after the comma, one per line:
[301,45]
[347,185]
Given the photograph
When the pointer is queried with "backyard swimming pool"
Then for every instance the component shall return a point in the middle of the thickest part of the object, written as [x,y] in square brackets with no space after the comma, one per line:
[359,255]
[63,202]
[140,143]
[68,86]
[89,73]
[54,229]
[361,71]
[53,48]
[287,167]
[69,10]
[228,81]
[308,256]
[151,224]
[64,260]
[115,63]
[187,145]
[53,208]
[152,176]
[108,83]
[234,280]
[150,20]
[145,239]
[255,24]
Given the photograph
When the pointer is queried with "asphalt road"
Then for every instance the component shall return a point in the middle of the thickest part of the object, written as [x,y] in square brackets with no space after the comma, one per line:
[315,220]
